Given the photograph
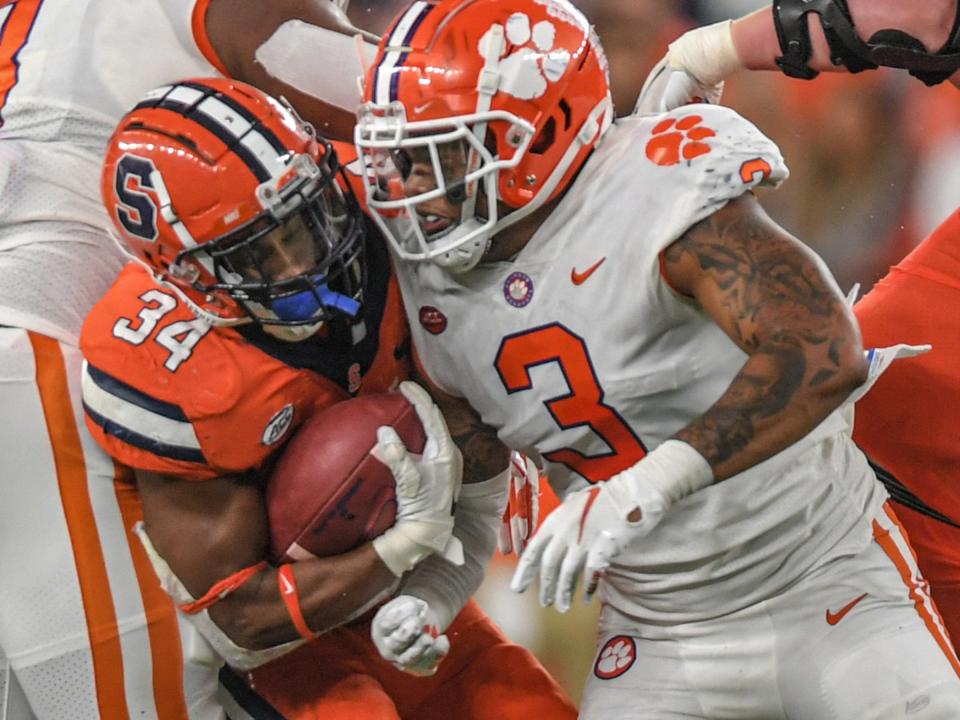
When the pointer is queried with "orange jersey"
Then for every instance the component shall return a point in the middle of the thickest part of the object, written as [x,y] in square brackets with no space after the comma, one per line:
[165,392]
[908,422]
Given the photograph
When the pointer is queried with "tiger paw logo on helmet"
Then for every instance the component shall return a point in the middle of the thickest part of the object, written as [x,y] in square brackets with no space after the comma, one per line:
[529,61]
[679,139]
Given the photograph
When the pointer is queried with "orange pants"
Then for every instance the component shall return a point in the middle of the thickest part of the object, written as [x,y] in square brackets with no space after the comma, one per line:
[341,676]
[909,423]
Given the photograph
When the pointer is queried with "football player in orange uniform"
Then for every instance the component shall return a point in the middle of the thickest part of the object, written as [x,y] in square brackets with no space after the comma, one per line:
[85,632]
[259,298]
[904,424]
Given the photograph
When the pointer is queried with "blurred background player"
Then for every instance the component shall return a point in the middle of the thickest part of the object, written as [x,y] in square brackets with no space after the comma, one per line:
[674,357]
[258,299]
[84,627]
[905,423]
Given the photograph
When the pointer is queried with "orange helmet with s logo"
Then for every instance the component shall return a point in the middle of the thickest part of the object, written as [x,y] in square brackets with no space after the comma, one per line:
[232,201]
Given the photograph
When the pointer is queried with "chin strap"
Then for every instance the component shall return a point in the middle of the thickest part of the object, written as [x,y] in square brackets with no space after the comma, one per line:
[888,48]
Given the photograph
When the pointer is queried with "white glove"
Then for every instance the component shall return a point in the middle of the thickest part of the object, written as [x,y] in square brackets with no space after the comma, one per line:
[523,505]
[594,525]
[693,70]
[407,634]
[427,488]
[583,535]
[668,87]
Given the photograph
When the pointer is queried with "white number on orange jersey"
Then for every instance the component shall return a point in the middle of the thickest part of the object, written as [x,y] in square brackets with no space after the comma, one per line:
[178,338]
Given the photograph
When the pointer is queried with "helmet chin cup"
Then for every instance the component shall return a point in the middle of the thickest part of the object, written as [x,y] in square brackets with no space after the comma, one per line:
[464,258]
[292,333]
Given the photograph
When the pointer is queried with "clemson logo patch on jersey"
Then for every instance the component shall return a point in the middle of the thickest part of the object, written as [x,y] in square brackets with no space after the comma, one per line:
[534,63]
[616,657]
[278,426]
[518,289]
[678,139]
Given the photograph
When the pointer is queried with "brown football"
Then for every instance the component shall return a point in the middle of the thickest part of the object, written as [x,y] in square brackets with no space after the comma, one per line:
[328,493]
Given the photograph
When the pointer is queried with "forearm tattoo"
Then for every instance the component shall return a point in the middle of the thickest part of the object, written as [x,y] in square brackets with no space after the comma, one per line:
[483,454]
[781,309]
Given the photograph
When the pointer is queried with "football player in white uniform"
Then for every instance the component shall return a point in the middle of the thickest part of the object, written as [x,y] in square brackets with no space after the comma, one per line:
[85,628]
[614,301]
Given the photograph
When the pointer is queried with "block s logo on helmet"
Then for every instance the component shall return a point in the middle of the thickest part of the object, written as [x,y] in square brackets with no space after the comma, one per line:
[135,209]
[527,69]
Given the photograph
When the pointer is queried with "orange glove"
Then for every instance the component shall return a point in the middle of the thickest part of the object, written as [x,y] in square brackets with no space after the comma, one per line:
[523,505]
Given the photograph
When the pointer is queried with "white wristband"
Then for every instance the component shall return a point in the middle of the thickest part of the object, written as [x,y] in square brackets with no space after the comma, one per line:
[674,469]
[708,53]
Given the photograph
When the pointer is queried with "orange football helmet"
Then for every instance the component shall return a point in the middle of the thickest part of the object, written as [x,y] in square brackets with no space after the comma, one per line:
[499,101]
[232,201]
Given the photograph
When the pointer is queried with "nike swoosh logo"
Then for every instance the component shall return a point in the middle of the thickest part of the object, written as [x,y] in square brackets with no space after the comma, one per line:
[287,586]
[578,278]
[834,618]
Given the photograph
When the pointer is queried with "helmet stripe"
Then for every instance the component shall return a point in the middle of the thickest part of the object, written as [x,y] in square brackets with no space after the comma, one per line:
[385,77]
[236,126]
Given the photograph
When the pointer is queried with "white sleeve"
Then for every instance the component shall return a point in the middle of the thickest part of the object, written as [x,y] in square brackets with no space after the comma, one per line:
[304,56]
[447,587]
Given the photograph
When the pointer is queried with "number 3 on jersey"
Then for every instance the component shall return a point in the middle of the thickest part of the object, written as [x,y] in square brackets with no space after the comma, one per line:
[583,405]
[179,338]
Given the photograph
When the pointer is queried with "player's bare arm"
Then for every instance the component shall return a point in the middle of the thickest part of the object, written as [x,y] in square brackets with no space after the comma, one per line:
[207,531]
[238,28]
[776,300]
[483,454]
[757,45]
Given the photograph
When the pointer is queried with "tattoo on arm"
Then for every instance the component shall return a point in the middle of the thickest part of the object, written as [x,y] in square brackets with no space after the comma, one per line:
[483,454]
[771,296]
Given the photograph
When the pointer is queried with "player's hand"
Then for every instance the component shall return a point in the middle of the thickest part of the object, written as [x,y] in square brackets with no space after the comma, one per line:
[668,87]
[523,505]
[427,488]
[406,634]
[584,535]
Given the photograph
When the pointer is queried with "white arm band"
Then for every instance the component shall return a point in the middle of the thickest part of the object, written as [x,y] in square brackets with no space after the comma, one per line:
[318,62]
[234,655]
[674,469]
[708,53]
[447,587]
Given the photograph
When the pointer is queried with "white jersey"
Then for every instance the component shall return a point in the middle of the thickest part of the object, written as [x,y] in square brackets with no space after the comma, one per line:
[578,352]
[69,69]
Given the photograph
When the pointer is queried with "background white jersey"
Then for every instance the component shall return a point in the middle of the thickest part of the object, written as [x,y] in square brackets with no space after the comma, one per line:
[69,69]
[578,352]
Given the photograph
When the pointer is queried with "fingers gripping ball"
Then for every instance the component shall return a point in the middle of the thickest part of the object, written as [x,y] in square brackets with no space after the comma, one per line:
[329,491]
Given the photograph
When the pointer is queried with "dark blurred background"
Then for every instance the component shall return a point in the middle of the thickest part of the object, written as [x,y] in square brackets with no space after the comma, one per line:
[875,165]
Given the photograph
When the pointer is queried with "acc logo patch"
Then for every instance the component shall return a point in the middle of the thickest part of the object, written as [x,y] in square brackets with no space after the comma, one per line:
[616,657]
[278,425]
[678,139]
[432,320]
[518,289]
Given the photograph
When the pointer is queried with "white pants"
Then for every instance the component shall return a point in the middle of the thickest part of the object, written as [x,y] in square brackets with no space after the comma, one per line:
[84,625]
[856,639]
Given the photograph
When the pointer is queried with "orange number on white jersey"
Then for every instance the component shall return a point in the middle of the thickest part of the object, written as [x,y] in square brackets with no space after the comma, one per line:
[583,405]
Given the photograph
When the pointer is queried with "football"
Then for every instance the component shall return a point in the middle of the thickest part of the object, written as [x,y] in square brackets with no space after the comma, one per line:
[328,493]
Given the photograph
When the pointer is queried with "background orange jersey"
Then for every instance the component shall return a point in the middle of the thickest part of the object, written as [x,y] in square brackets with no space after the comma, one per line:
[908,423]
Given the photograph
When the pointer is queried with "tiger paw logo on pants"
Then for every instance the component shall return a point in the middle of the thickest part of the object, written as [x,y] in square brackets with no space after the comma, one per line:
[531,62]
[678,139]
